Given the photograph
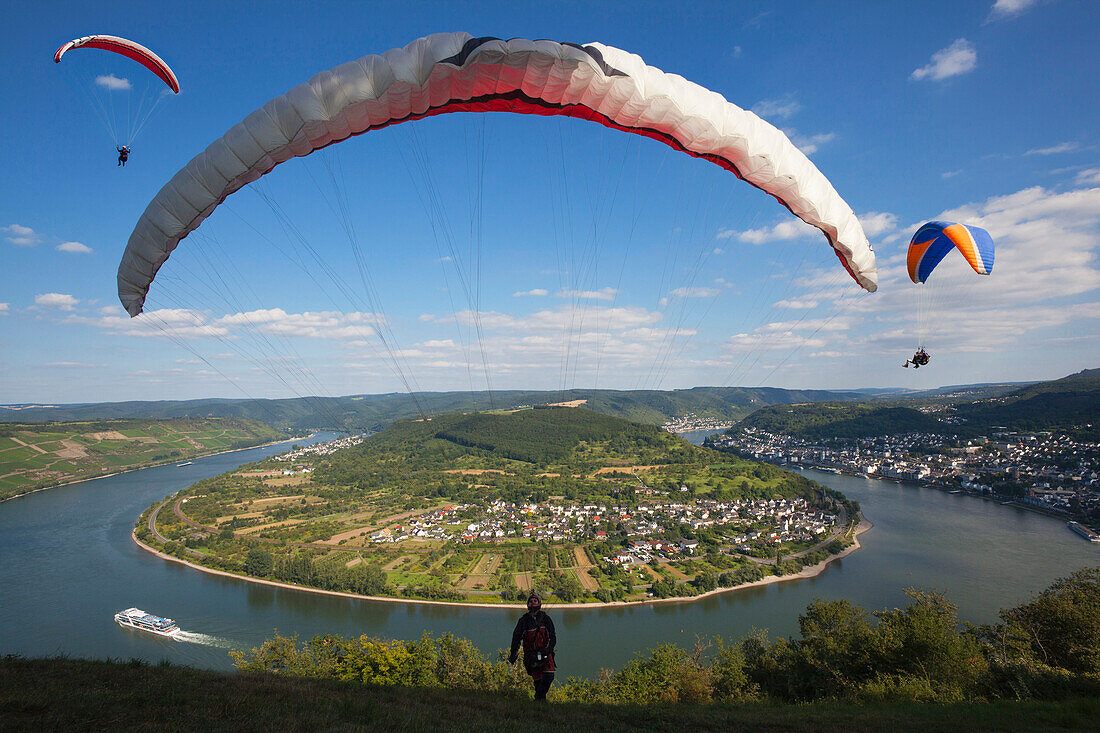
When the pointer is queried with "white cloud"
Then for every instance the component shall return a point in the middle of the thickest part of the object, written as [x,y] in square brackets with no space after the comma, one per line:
[756,20]
[657,334]
[809,144]
[787,336]
[718,251]
[1066,147]
[1090,176]
[807,324]
[877,223]
[615,318]
[601,294]
[958,58]
[787,341]
[784,231]
[1004,9]
[950,174]
[61,301]
[113,83]
[737,52]
[4,308]
[694,292]
[73,365]
[781,108]
[536,292]
[74,247]
[21,236]
[614,341]
[796,304]
[323,324]
[179,323]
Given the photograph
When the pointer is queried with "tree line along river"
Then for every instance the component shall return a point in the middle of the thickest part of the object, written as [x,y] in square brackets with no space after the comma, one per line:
[67,564]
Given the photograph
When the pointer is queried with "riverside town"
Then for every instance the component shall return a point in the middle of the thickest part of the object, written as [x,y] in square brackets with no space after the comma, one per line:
[1044,470]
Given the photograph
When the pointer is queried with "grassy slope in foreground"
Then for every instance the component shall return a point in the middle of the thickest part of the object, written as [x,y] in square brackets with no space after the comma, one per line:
[36,455]
[66,694]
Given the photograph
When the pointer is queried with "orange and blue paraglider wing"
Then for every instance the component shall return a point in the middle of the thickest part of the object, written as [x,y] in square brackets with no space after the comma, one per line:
[935,239]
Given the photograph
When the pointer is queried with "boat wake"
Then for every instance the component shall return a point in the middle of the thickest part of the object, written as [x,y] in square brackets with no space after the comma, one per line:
[192,637]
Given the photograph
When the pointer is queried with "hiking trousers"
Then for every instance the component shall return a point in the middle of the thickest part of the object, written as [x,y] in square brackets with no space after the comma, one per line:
[542,685]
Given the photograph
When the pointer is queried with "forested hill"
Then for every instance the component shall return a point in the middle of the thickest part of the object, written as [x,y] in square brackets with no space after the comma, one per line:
[839,420]
[371,412]
[542,438]
[1070,404]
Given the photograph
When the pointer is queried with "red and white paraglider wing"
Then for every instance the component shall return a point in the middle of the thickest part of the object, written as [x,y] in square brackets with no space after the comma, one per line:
[455,72]
[127,48]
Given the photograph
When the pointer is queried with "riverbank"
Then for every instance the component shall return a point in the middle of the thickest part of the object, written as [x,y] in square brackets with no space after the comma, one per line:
[806,572]
[930,484]
[152,465]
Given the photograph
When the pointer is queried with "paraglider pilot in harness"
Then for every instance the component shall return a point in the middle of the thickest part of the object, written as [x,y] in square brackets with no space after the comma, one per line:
[535,631]
[919,359]
[123,154]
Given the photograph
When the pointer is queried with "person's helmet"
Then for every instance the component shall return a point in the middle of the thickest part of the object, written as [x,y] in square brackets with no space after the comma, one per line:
[534,603]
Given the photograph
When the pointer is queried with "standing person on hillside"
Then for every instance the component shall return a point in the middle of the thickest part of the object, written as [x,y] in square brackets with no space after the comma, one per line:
[535,631]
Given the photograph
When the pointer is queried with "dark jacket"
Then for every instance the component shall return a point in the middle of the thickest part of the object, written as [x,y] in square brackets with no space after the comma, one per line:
[526,632]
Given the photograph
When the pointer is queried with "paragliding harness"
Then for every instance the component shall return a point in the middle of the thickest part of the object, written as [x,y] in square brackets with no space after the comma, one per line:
[536,647]
[919,359]
[123,154]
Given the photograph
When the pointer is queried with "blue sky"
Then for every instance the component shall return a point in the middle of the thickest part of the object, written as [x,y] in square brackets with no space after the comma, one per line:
[585,258]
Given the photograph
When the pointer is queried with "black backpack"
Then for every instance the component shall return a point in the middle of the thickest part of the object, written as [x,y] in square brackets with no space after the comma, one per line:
[536,645]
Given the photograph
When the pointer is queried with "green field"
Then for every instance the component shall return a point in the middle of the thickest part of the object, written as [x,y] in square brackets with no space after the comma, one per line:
[37,456]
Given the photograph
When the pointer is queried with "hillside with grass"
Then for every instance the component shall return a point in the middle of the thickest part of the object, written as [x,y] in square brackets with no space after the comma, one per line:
[903,669]
[1070,405]
[564,438]
[36,456]
[842,420]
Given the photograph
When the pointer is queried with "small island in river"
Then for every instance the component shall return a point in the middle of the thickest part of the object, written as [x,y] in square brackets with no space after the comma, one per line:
[482,508]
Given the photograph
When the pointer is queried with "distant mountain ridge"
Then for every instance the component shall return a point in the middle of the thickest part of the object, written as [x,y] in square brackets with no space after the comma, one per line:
[1070,404]
[372,412]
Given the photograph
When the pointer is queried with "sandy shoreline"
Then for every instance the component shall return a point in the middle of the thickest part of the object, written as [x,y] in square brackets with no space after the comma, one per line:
[155,465]
[806,572]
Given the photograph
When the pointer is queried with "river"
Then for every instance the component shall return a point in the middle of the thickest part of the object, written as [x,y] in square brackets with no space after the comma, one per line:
[67,564]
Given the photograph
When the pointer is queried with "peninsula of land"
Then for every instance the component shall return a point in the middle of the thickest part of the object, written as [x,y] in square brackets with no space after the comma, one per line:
[481,509]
